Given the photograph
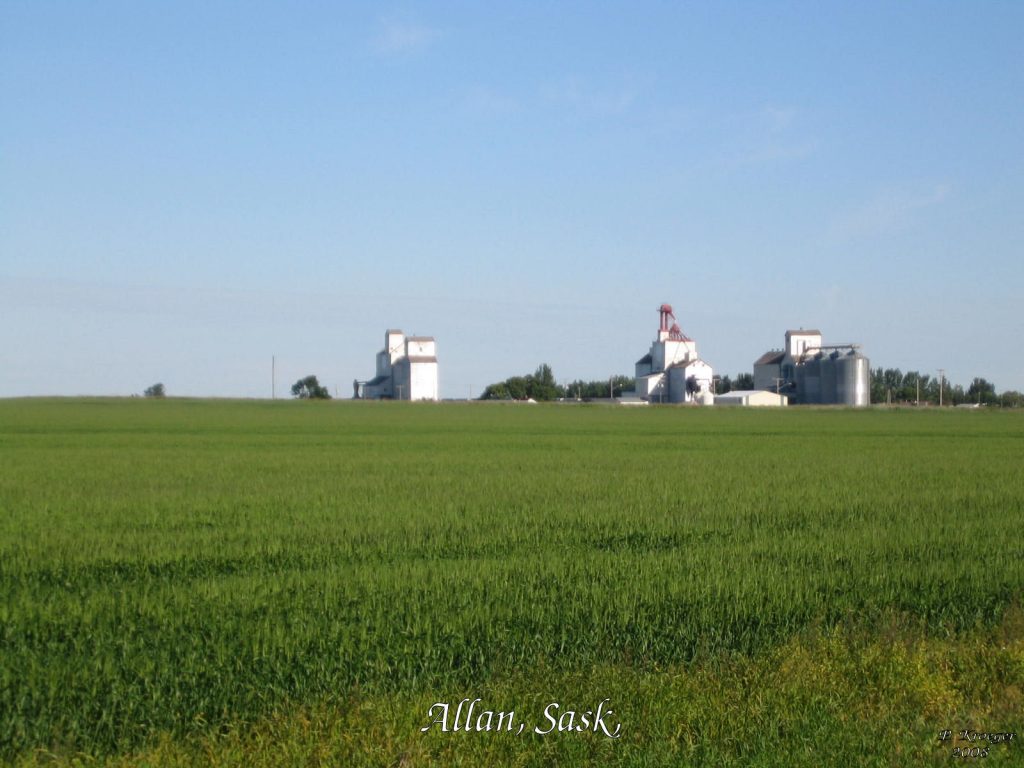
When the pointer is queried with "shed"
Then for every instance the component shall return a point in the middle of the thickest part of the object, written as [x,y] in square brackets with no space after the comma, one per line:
[751,397]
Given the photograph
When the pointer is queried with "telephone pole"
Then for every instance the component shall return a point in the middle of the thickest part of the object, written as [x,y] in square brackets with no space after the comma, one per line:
[942,377]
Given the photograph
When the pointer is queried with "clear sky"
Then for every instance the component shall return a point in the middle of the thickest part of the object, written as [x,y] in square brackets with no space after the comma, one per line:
[190,188]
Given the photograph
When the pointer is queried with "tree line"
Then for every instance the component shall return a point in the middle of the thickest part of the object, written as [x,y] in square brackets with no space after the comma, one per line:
[891,385]
[726,383]
[541,385]
[888,385]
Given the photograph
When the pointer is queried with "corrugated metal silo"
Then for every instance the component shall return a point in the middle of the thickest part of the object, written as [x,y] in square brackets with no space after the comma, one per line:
[853,379]
[829,379]
[812,381]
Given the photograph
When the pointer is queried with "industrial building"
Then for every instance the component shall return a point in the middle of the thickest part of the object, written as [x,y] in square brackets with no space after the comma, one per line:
[406,370]
[751,397]
[672,372]
[811,373]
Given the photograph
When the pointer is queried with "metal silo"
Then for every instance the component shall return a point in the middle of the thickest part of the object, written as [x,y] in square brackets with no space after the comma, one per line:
[829,379]
[800,384]
[852,380]
[863,397]
[811,370]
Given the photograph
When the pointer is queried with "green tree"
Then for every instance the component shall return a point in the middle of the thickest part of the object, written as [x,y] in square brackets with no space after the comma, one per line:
[1011,399]
[743,381]
[517,387]
[982,391]
[309,389]
[892,385]
[877,386]
[156,390]
[539,385]
[887,385]
[542,385]
[497,391]
[908,387]
[601,388]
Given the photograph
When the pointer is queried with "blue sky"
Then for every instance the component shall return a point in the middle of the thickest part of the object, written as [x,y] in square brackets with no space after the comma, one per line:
[187,189]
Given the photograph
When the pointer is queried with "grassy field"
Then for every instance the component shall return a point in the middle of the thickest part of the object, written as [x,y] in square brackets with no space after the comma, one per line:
[296,583]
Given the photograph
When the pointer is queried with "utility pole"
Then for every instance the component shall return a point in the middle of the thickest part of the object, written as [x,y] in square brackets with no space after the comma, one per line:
[273,378]
[942,377]
[918,400]
[611,389]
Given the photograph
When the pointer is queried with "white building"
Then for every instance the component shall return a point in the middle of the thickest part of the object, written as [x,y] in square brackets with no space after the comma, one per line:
[751,397]
[672,372]
[406,370]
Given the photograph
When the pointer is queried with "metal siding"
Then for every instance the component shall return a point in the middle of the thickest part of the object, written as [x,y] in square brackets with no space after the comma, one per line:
[847,392]
[829,380]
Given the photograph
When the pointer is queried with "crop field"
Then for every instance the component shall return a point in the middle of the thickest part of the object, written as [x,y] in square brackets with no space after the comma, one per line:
[189,582]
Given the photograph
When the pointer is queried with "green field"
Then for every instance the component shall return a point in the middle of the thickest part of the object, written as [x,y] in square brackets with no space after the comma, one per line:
[295,583]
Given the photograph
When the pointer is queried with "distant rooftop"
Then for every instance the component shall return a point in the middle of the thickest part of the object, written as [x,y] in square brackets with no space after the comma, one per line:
[771,357]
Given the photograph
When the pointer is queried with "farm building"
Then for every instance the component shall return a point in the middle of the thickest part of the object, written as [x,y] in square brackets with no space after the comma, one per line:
[751,397]
[810,372]
[406,370]
[672,372]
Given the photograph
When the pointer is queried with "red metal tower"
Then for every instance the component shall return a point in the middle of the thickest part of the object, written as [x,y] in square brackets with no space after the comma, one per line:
[674,333]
